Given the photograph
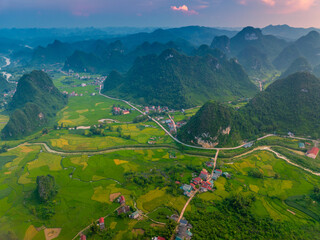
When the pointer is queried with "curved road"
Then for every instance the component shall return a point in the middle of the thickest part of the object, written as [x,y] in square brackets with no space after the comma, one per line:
[167,132]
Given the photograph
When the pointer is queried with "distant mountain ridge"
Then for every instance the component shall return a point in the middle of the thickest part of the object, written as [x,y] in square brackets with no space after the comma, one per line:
[178,81]
[34,105]
[288,104]
[254,50]
[115,57]
[307,46]
[287,32]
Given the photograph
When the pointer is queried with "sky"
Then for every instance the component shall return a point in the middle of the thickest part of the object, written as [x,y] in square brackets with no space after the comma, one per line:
[158,13]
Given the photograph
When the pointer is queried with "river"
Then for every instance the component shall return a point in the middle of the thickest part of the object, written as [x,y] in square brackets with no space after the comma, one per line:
[8,62]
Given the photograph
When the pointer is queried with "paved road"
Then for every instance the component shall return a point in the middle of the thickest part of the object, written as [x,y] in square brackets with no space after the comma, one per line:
[268,148]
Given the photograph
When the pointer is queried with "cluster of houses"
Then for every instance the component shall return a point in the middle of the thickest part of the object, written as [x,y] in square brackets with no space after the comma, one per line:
[172,125]
[184,228]
[204,182]
[125,208]
[158,109]
[6,97]
[120,111]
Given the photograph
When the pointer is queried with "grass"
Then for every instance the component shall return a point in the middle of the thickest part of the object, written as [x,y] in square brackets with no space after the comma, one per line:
[302,160]
[84,187]
[281,183]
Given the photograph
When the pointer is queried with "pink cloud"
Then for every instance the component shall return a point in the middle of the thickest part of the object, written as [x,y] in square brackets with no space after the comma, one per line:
[184,9]
[283,6]
[269,2]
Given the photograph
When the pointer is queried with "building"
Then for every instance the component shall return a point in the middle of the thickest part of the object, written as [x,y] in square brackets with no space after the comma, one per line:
[135,215]
[158,238]
[215,176]
[204,174]
[209,164]
[218,172]
[247,145]
[197,181]
[121,200]
[184,232]
[125,112]
[313,152]
[301,145]
[226,175]
[123,209]
[186,188]
[83,237]
[101,223]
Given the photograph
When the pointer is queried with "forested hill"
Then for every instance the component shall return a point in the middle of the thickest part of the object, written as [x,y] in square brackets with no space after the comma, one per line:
[178,81]
[254,50]
[34,104]
[288,104]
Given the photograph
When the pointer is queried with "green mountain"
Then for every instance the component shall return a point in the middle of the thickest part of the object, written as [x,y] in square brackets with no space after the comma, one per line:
[299,65]
[114,57]
[254,50]
[175,80]
[254,61]
[288,104]
[253,37]
[307,46]
[56,52]
[34,105]
[222,43]
[216,124]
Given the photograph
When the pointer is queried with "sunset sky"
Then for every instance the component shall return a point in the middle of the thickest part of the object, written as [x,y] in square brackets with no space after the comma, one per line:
[158,13]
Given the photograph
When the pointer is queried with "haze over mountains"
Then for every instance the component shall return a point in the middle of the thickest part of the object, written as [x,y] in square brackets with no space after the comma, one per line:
[175,67]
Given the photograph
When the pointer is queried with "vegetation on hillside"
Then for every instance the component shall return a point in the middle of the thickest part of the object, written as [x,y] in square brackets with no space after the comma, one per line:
[34,105]
[179,81]
[289,104]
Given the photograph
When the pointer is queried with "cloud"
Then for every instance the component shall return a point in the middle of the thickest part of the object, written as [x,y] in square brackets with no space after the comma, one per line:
[269,2]
[184,9]
[283,6]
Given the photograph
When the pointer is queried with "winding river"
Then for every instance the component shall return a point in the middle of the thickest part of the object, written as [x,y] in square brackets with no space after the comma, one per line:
[8,62]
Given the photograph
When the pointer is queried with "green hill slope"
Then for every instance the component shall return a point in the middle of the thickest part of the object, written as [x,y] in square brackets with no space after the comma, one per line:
[178,81]
[307,46]
[299,65]
[288,104]
[34,104]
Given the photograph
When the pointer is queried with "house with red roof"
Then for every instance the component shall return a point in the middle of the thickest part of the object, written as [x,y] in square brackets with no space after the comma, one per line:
[83,237]
[313,152]
[121,199]
[204,174]
[197,181]
[101,223]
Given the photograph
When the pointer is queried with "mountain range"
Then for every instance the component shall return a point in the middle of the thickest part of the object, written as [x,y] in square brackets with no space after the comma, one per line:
[288,104]
[178,81]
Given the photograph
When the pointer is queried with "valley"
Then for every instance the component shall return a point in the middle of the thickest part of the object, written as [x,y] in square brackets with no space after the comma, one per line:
[90,169]
[157,135]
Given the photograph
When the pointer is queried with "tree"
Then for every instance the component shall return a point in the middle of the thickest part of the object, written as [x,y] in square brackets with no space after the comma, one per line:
[46,188]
